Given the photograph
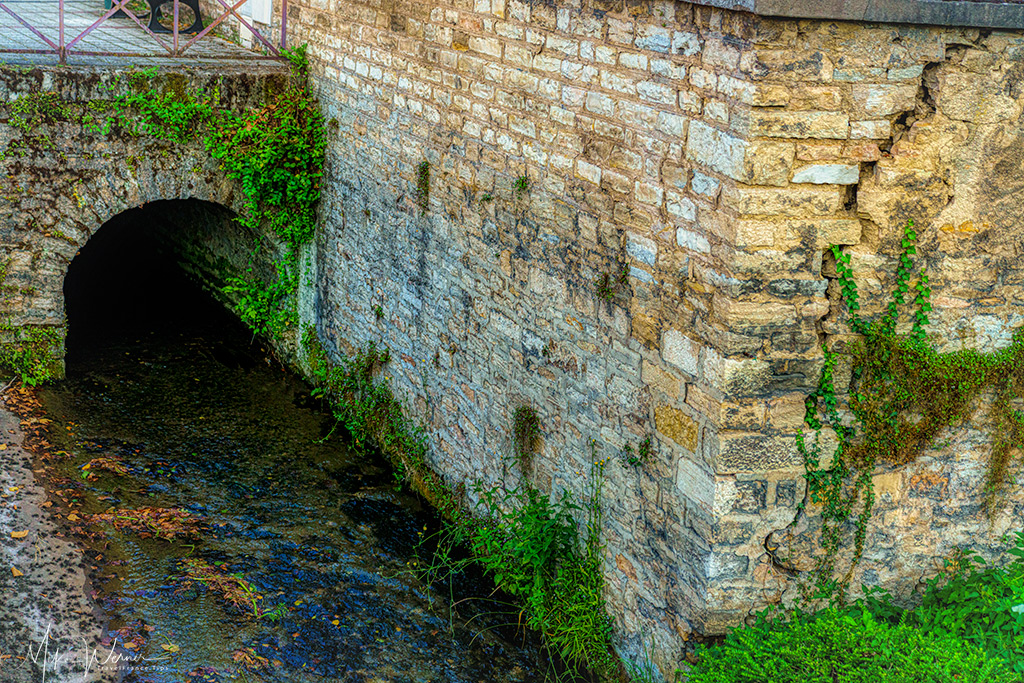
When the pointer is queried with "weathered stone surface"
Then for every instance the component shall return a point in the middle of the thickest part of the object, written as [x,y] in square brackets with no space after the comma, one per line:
[883,99]
[676,425]
[755,452]
[966,97]
[719,155]
[827,174]
[681,351]
[794,124]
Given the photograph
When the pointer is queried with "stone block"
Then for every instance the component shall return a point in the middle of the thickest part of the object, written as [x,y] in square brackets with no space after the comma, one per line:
[758,162]
[827,174]
[788,65]
[693,241]
[735,377]
[705,185]
[681,207]
[793,124]
[753,452]
[753,316]
[676,425]
[967,97]
[787,201]
[875,100]
[654,376]
[680,351]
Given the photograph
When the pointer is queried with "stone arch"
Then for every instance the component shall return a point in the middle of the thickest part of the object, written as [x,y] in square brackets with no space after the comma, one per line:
[185,201]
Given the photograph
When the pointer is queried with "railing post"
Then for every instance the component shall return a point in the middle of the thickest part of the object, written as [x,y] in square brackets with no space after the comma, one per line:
[284,23]
[176,28]
[62,55]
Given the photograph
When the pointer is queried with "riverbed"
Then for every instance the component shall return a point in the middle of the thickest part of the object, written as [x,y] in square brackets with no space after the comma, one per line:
[194,415]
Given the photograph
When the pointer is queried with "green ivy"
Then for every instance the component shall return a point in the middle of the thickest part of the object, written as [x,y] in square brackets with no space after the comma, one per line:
[276,153]
[902,392]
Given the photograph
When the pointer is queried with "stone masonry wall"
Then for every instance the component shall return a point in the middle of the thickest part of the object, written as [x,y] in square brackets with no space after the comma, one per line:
[719,154]
[716,153]
[489,295]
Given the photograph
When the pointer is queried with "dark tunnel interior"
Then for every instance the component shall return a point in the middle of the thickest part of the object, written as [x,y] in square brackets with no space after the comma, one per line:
[126,281]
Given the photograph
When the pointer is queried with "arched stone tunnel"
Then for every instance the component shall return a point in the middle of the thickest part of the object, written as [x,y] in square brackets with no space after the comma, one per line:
[154,212]
[153,266]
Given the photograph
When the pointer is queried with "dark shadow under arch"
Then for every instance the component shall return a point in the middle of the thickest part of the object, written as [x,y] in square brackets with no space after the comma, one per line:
[154,269]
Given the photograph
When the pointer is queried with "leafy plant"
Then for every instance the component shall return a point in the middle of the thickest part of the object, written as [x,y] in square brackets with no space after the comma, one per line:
[32,355]
[902,392]
[423,185]
[604,287]
[532,549]
[641,455]
[982,604]
[843,645]
[521,185]
[525,433]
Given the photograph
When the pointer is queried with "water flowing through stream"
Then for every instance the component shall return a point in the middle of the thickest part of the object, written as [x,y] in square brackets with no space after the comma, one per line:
[202,421]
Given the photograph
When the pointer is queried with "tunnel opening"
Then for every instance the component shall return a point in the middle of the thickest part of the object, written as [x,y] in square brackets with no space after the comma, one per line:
[138,276]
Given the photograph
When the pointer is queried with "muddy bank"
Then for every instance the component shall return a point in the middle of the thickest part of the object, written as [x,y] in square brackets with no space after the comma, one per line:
[50,629]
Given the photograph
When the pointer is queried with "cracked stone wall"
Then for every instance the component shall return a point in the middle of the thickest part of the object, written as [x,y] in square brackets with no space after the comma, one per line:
[719,154]
[881,125]
[716,153]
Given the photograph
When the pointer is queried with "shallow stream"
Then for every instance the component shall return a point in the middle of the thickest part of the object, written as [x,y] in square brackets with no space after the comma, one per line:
[205,422]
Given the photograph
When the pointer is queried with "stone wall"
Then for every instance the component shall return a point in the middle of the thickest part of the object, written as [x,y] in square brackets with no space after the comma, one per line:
[716,153]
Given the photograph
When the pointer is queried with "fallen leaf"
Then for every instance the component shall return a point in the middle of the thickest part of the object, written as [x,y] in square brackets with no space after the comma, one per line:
[73,517]
[14,570]
[3,447]
[19,534]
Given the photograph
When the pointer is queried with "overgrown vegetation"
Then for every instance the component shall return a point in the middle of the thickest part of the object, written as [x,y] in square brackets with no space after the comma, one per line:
[525,434]
[533,550]
[423,185]
[275,152]
[902,393]
[31,353]
[32,110]
[530,546]
[968,628]
[364,403]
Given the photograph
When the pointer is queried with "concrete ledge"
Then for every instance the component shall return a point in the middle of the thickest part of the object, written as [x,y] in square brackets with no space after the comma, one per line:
[930,12]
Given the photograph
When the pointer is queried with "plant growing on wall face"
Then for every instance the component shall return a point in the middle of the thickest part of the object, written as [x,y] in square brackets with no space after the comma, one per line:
[521,185]
[902,393]
[423,185]
[275,152]
[525,434]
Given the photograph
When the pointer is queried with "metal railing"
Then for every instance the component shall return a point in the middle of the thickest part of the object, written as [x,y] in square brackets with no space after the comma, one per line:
[80,25]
